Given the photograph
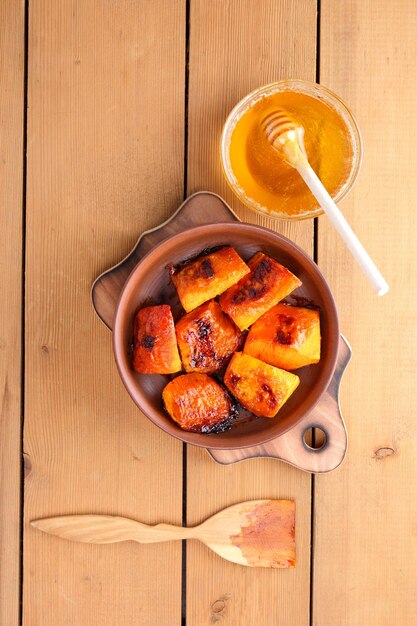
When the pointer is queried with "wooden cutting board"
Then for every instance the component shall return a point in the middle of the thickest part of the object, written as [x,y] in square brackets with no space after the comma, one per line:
[208,208]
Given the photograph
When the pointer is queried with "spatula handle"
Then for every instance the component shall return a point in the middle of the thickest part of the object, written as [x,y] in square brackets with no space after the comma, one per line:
[109,529]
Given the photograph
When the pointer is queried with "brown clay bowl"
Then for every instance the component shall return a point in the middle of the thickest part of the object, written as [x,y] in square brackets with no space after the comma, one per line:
[150,283]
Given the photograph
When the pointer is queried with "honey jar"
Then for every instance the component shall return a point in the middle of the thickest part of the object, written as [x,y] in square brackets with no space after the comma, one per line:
[258,174]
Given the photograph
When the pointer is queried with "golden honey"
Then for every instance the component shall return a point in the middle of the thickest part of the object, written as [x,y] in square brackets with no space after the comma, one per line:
[258,173]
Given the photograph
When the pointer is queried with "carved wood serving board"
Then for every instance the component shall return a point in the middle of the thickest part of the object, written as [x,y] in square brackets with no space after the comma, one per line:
[291,447]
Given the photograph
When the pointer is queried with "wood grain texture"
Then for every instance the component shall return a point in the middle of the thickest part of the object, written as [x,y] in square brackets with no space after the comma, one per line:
[105,162]
[235,47]
[12,54]
[365,523]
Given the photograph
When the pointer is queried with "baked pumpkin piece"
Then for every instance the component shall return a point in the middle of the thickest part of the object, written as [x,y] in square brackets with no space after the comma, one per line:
[267,284]
[259,387]
[198,403]
[155,348]
[206,338]
[286,336]
[207,276]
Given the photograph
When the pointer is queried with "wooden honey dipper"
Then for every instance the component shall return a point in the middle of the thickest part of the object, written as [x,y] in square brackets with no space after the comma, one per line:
[287,137]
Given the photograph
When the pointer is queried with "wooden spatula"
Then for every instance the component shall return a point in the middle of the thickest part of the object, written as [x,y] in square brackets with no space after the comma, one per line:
[258,533]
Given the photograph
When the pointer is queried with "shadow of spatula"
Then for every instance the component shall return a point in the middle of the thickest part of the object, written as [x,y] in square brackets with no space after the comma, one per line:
[258,533]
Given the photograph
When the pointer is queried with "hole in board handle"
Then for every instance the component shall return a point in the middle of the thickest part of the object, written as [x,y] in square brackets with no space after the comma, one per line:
[314,439]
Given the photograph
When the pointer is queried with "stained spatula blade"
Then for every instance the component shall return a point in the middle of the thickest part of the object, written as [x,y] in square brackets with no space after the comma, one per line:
[257,533]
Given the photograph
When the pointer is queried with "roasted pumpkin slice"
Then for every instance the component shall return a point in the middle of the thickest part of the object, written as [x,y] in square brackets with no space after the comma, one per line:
[155,348]
[259,387]
[286,336]
[207,338]
[267,284]
[207,277]
[198,403]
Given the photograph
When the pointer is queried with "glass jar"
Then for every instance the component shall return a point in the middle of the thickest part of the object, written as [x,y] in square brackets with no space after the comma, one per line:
[333,141]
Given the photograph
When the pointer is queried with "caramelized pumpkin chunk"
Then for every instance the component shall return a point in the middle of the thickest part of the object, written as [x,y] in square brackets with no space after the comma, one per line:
[207,338]
[259,387]
[286,336]
[267,284]
[198,403]
[208,276]
[154,343]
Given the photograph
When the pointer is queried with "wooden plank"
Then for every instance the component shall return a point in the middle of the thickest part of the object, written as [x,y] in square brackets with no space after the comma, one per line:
[12,55]
[365,546]
[105,162]
[234,48]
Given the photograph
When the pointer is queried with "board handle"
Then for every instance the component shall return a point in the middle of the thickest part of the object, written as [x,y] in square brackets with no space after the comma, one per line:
[207,208]
[199,209]
[291,447]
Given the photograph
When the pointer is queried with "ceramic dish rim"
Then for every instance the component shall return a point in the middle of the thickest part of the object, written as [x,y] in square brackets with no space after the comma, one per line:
[255,438]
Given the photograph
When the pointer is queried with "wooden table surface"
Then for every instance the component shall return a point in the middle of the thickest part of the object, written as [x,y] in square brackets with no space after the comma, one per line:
[110,114]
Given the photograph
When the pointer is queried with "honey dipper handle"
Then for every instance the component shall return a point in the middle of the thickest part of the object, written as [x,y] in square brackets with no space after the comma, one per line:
[339,222]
